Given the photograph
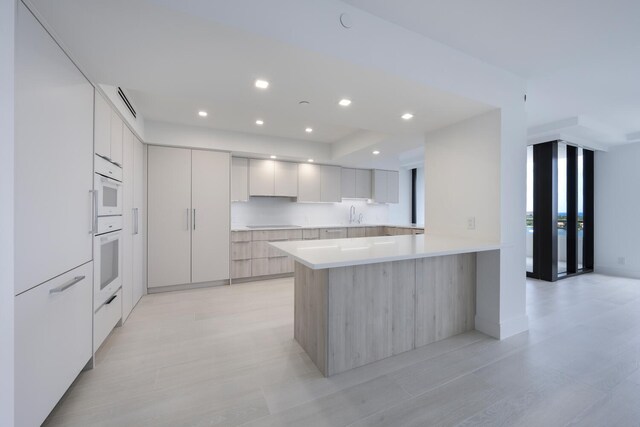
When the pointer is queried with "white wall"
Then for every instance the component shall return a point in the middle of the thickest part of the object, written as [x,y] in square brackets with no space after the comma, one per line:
[476,168]
[400,213]
[161,133]
[282,211]
[7,48]
[462,178]
[617,210]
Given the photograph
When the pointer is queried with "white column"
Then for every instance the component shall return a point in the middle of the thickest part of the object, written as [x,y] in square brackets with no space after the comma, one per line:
[7,48]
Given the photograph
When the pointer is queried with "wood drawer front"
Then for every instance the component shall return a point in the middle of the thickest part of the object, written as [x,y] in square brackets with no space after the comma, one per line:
[241,236]
[275,235]
[268,266]
[333,233]
[357,232]
[311,233]
[53,342]
[262,249]
[374,231]
[241,250]
[106,319]
[241,269]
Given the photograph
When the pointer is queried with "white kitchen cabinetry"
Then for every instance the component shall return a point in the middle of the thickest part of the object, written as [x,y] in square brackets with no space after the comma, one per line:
[117,135]
[53,329]
[272,178]
[133,222]
[53,159]
[308,182]
[188,219]
[102,128]
[385,186]
[239,179]
[286,179]
[356,183]
[210,216]
[318,183]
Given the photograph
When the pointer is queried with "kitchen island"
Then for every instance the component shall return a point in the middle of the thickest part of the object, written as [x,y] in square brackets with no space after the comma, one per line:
[364,299]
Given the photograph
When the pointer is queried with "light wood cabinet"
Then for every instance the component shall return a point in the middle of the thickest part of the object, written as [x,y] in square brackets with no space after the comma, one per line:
[310,233]
[240,251]
[239,179]
[385,186]
[285,179]
[188,228]
[333,233]
[241,269]
[356,232]
[241,236]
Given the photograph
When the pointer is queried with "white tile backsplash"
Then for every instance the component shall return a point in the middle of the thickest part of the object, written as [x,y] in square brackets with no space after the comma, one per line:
[282,211]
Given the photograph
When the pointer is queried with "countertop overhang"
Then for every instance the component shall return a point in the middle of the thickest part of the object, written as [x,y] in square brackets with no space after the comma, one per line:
[332,253]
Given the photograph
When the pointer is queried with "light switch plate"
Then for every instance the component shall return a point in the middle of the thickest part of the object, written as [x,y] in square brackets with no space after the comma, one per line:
[471,223]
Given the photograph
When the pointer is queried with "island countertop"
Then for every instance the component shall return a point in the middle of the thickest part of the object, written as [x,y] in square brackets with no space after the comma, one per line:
[331,253]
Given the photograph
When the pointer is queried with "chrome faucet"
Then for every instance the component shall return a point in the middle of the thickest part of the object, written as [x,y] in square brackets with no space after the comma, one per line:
[352,214]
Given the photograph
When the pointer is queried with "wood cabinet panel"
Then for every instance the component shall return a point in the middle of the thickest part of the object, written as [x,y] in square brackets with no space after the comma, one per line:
[333,233]
[310,233]
[241,269]
[241,236]
[241,251]
[356,232]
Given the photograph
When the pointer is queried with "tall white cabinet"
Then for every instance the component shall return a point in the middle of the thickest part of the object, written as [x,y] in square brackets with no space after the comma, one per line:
[386,186]
[133,220]
[53,221]
[188,216]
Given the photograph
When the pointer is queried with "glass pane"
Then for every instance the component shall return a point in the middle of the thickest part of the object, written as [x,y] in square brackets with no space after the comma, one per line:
[580,208]
[562,208]
[529,219]
[108,263]
[109,197]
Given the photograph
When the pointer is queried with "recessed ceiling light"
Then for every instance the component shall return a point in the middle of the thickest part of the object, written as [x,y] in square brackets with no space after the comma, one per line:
[345,102]
[259,122]
[407,116]
[310,160]
[202,113]
[308,130]
[376,152]
[262,84]
[274,157]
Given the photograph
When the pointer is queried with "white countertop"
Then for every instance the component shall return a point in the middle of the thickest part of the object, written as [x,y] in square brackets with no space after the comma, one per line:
[302,227]
[319,254]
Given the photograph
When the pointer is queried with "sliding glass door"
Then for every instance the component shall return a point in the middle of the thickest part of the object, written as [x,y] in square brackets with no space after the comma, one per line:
[559,222]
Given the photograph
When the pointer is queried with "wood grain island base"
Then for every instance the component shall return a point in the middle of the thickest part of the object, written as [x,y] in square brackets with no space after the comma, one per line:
[347,316]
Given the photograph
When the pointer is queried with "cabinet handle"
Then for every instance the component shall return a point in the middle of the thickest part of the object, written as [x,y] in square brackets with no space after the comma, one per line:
[110,300]
[194,219]
[67,285]
[94,216]
[135,221]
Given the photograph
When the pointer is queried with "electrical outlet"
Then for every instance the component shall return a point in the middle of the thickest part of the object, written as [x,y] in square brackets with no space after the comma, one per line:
[471,223]
[621,260]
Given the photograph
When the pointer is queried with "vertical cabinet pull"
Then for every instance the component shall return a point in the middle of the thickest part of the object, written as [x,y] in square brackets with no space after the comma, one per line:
[94,214]
[135,221]
[194,219]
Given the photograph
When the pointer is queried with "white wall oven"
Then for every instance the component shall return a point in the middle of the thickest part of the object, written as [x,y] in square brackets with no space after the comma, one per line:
[108,187]
[107,250]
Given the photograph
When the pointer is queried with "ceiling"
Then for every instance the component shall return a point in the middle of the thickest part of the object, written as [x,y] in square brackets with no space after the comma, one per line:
[174,65]
[580,56]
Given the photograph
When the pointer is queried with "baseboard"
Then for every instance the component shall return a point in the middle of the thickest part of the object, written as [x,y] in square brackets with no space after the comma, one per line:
[617,271]
[502,330]
[187,286]
[257,278]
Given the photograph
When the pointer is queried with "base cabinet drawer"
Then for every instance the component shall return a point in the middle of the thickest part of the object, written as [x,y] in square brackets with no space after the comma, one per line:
[241,236]
[333,233]
[53,328]
[241,269]
[106,318]
[311,234]
[240,251]
[357,232]
[268,266]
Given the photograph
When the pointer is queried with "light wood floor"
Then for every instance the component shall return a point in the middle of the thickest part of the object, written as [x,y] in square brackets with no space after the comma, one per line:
[225,356]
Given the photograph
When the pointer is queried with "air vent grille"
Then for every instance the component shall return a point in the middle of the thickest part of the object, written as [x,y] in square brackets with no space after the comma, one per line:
[126,101]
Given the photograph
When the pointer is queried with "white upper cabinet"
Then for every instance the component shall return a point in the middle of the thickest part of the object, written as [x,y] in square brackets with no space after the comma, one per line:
[363,183]
[330,183]
[53,158]
[308,182]
[117,133]
[385,186]
[286,179]
[239,179]
[348,183]
[261,177]
[272,178]
[356,183]
[102,127]
[128,223]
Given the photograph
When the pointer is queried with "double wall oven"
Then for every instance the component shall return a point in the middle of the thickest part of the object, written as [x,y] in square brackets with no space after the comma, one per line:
[107,241]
